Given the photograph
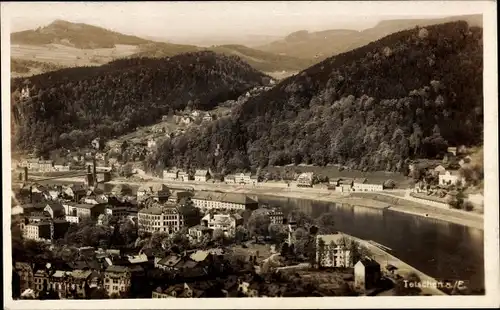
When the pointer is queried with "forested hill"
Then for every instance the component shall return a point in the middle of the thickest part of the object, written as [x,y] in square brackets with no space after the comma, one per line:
[74,34]
[407,95]
[73,106]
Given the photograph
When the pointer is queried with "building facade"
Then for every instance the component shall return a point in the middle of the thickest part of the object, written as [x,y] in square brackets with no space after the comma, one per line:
[201,175]
[117,280]
[451,177]
[243,178]
[38,231]
[160,219]
[223,201]
[333,254]
[361,185]
[170,175]
[305,179]
[366,274]
[225,222]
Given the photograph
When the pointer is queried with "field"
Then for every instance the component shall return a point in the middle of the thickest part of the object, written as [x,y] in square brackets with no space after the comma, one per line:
[69,56]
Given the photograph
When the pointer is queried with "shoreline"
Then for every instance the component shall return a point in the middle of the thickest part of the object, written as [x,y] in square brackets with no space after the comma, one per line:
[323,195]
[471,220]
[383,258]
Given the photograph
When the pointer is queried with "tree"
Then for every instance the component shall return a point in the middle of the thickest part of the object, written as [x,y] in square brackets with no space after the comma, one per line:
[218,235]
[128,231]
[277,233]
[389,184]
[326,223]
[258,223]
[321,251]
[191,214]
[126,170]
[99,293]
[241,233]
[302,240]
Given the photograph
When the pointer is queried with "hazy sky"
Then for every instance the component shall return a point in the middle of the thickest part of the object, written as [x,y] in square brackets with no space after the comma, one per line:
[198,19]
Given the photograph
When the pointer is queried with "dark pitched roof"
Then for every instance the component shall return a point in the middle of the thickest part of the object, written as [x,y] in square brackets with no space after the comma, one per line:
[369,263]
[55,206]
[117,269]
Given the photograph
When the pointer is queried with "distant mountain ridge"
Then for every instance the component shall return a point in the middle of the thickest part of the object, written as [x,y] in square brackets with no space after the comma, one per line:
[78,35]
[322,44]
[260,60]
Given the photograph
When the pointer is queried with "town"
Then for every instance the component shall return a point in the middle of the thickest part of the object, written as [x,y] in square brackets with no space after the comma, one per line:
[164,241]
[278,161]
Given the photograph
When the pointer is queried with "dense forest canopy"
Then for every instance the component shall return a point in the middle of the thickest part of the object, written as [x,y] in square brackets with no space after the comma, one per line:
[410,94]
[70,107]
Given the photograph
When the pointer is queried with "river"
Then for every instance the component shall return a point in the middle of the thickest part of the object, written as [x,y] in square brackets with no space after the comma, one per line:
[439,249]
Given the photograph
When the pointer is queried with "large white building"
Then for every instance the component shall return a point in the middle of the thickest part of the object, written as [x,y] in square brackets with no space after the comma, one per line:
[361,185]
[38,231]
[166,219]
[170,175]
[223,201]
[334,254]
[243,178]
[451,177]
[224,222]
[305,179]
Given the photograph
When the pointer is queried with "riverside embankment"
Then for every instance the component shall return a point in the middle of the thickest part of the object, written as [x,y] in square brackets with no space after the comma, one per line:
[371,200]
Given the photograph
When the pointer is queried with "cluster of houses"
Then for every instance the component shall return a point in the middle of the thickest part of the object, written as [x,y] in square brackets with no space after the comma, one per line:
[187,118]
[356,185]
[48,211]
[306,179]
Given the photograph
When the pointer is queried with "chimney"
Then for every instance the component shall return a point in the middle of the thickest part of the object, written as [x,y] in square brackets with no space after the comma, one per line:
[25,174]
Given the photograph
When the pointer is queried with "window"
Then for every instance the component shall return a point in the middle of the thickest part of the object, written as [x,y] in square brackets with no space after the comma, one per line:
[115,281]
[115,287]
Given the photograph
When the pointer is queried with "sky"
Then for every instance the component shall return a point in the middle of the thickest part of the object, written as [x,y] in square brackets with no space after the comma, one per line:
[199,19]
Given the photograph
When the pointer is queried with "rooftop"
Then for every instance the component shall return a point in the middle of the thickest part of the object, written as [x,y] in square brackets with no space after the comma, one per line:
[199,256]
[224,197]
[117,269]
[81,274]
[368,262]
[360,180]
[170,261]
[329,238]
[201,173]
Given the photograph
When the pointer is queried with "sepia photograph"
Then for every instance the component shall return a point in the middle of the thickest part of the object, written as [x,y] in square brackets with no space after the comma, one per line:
[251,154]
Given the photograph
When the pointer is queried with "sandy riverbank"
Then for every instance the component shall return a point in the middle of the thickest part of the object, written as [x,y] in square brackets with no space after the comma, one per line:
[281,190]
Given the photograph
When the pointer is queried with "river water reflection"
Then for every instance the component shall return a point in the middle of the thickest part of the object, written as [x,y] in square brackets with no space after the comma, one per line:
[443,250]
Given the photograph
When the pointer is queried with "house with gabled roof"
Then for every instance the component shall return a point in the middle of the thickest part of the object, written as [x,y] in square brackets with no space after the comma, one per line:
[201,175]
[367,274]
[55,209]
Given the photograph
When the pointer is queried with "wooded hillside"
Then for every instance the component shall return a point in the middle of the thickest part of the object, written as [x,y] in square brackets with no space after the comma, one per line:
[410,94]
[70,107]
